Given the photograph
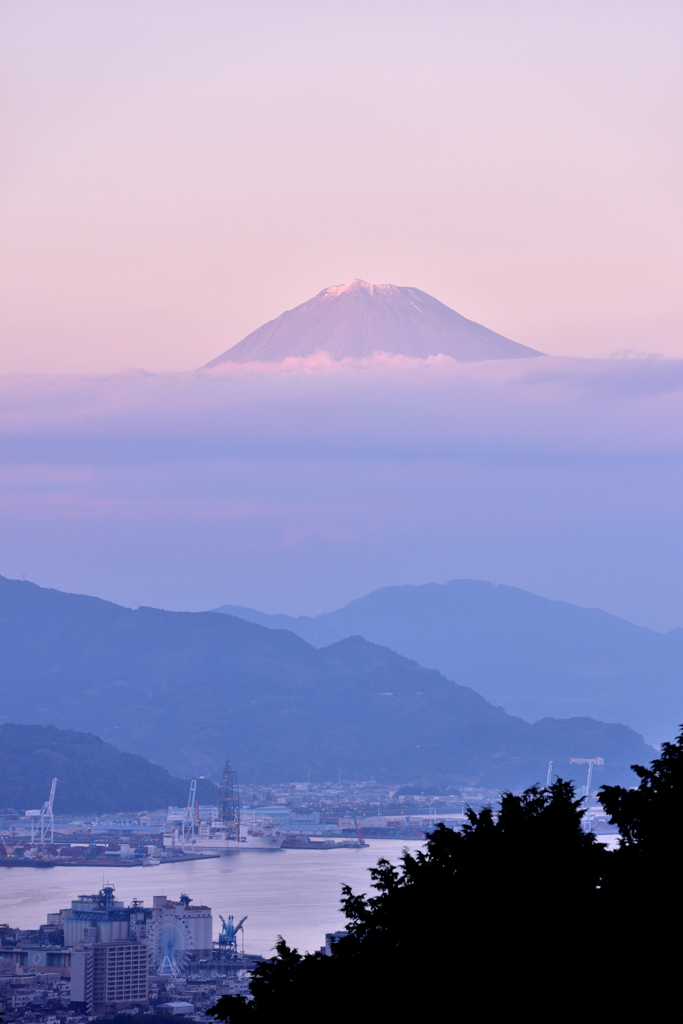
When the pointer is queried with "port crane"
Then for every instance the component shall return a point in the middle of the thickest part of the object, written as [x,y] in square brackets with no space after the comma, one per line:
[227,940]
[43,821]
[590,761]
[190,815]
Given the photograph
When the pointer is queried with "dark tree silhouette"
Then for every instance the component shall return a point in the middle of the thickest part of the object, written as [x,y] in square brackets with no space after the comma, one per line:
[644,890]
[520,911]
[649,817]
[480,916]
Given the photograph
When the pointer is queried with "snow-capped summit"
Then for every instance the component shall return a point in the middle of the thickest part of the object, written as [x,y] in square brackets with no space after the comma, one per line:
[357,319]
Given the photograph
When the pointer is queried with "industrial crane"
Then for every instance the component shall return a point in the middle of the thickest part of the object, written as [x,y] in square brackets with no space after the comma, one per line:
[188,822]
[227,940]
[590,761]
[43,821]
[9,850]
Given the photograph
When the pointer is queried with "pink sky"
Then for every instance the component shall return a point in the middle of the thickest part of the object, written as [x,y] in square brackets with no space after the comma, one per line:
[175,174]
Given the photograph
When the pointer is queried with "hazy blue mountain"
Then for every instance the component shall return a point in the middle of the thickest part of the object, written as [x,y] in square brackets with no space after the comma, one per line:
[356,319]
[183,689]
[533,656]
[93,777]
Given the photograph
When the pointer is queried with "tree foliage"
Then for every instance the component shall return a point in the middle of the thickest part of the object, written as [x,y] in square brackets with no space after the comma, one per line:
[520,910]
[649,817]
[473,912]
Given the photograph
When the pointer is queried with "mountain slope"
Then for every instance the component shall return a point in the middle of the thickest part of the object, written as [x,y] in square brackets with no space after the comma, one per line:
[533,656]
[93,777]
[184,689]
[357,319]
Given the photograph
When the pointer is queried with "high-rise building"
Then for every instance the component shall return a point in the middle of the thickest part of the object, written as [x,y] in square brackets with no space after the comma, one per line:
[109,976]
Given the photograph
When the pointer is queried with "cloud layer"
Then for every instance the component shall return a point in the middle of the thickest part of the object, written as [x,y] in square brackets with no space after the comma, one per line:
[381,405]
[298,486]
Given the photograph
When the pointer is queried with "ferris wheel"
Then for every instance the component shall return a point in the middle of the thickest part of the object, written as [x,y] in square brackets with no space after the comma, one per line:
[170,945]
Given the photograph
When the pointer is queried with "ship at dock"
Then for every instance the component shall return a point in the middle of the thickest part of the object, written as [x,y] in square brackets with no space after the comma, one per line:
[228,831]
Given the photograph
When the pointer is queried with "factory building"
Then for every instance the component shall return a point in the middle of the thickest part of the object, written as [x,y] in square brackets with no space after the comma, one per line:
[101,918]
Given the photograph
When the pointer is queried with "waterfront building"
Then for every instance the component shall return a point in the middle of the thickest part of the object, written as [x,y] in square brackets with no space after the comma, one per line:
[41,959]
[177,933]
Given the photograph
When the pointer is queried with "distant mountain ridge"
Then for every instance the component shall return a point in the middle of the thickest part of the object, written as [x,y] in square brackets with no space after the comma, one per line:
[533,656]
[356,319]
[183,689]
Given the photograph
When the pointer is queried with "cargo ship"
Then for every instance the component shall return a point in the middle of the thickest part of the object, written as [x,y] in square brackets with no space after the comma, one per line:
[216,838]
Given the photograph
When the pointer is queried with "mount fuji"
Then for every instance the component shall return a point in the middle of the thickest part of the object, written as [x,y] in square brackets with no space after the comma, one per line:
[357,319]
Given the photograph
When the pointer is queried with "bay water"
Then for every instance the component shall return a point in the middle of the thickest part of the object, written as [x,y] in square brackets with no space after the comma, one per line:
[293,893]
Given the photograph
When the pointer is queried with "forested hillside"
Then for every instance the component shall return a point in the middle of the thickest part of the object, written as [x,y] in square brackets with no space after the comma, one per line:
[93,777]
